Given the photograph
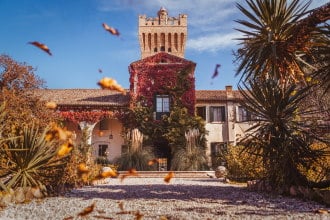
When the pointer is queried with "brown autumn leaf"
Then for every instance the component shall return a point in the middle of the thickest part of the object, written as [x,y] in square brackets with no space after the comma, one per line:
[130,172]
[216,73]
[51,105]
[138,215]
[169,176]
[68,218]
[109,173]
[121,206]
[111,84]
[153,161]
[111,30]
[65,148]
[82,168]
[87,210]
[41,46]
[102,217]
[57,132]
[322,211]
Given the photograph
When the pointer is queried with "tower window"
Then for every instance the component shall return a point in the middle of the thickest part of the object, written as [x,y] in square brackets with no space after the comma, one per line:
[162,106]
[155,49]
[162,48]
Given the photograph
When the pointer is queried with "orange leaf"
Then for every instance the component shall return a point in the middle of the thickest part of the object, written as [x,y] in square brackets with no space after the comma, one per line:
[82,168]
[111,84]
[51,105]
[153,161]
[109,173]
[41,46]
[87,210]
[168,177]
[130,172]
[111,30]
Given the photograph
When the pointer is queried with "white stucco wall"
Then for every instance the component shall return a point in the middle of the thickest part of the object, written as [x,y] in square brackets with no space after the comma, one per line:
[100,137]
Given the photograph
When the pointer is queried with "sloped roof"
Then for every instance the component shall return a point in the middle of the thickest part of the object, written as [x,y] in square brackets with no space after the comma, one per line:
[217,95]
[107,98]
[162,58]
[83,97]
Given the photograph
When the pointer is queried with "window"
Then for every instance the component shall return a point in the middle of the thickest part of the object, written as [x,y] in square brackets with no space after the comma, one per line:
[103,150]
[217,114]
[201,112]
[162,105]
[104,125]
[243,114]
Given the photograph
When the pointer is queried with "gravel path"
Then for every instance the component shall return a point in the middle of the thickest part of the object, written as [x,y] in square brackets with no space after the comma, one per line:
[151,198]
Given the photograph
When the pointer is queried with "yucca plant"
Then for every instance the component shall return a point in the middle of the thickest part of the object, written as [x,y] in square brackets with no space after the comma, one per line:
[137,156]
[282,135]
[31,160]
[279,39]
[192,157]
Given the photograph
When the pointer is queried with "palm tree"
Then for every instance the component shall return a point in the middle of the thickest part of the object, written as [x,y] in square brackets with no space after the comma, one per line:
[283,47]
[280,39]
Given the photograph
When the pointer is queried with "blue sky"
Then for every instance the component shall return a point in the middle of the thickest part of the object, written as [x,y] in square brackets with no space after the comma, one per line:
[73,31]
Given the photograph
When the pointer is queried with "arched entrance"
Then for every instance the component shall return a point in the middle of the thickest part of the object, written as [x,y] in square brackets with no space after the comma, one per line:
[163,151]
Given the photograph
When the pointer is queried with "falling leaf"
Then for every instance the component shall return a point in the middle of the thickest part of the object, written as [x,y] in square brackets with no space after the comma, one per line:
[111,30]
[100,71]
[121,206]
[51,105]
[109,173]
[87,210]
[102,217]
[82,168]
[138,215]
[153,161]
[57,132]
[65,149]
[168,177]
[322,211]
[131,172]
[216,73]
[111,84]
[41,46]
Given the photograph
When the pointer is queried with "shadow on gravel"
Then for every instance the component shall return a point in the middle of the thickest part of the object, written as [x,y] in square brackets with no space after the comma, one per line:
[241,200]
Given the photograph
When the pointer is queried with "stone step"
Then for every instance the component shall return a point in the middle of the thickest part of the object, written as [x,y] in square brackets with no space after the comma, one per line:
[177,174]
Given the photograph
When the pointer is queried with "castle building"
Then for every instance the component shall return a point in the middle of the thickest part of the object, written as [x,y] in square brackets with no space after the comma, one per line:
[158,80]
[162,34]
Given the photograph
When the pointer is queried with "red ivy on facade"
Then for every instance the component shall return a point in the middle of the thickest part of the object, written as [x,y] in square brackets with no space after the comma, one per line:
[163,74]
[89,116]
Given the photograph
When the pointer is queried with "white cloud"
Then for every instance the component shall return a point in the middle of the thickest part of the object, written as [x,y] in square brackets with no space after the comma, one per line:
[214,42]
[205,17]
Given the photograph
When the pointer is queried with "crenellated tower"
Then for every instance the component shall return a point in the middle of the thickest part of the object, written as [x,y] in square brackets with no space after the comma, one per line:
[162,34]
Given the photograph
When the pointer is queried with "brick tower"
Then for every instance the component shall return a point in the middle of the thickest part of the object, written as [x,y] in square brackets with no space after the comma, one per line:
[162,34]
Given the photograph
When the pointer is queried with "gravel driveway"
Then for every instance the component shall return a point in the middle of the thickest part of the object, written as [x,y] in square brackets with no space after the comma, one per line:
[151,198]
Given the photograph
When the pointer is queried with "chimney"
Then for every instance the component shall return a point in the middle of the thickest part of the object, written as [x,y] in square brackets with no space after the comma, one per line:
[229,88]
[229,91]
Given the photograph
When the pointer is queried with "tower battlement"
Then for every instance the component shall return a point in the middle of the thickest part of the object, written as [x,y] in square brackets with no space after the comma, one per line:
[162,34]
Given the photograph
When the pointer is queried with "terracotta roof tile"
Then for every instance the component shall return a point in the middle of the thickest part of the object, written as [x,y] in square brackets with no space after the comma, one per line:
[99,97]
[83,97]
[217,95]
